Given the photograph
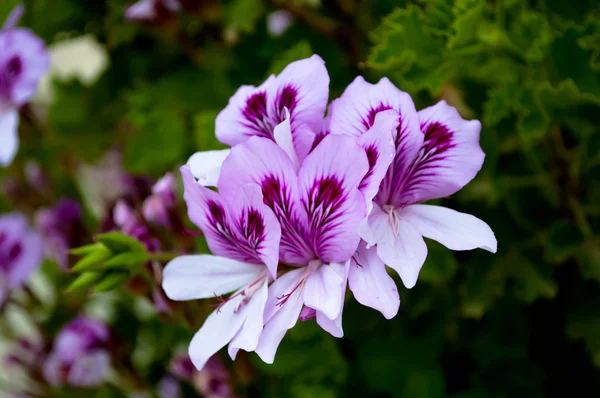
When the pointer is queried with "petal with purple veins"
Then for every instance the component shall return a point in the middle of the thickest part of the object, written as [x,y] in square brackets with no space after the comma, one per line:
[245,230]
[328,181]
[449,158]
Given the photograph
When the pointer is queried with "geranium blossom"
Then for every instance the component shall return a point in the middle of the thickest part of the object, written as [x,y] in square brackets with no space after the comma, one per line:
[23,62]
[437,153]
[324,182]
[244,235]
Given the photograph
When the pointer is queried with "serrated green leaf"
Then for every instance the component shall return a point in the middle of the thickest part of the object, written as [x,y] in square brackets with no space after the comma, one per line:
[93,259]
[127,260]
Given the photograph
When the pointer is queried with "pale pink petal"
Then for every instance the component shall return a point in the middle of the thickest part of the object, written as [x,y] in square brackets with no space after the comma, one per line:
[402,248]
[456,231]
[283,137]
[9,135]
[302,87]
[323,291]
[247,337]
[379,145]
[246,230]
[371,284]
[218,330]
[203,276]
[354,114]
[206,166]
[282,312]
[246,115]
[281,290]
[143,10]
[331,326]
[263,162]
[257,225]
[374,227]
[449,158]
[329,178]
[90,370]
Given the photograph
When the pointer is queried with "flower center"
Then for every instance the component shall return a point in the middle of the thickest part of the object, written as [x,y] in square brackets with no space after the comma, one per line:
[395,218]
[9,252]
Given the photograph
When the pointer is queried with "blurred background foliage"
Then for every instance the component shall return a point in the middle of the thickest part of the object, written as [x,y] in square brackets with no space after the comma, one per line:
[524,322]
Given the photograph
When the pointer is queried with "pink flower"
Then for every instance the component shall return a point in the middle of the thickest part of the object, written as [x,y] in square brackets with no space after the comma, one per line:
[149,10]
[437,153]
[23,62]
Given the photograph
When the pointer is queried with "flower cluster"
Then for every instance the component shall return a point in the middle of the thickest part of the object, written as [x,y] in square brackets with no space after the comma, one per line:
[308,205]
[23,62]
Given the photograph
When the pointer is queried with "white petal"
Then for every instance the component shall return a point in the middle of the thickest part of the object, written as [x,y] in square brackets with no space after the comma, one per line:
[404,250]
[283,137]
[206,166]
[9,138]
[371,284]
[203,276]
[331,326]
[275,329]
[456,231]
[323,291]
[247,337]
[218,329]
[372,229]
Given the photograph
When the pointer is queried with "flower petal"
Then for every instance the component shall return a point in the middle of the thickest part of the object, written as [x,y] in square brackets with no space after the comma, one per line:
[89,370]
[379,145]
[246,230]
[328,180]
[281,314]
[371,284]
[218,330]
[331,326]
[247,337]
[283,137]
[262,162]
[203,276]
[246,115]
[402,248]
[9,137]
[33,61]
[302,87]
[206,166]
[324,291]
[449,158]
[456,231]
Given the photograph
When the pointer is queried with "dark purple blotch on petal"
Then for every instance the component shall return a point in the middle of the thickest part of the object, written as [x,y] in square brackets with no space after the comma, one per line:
[372,157]
[370,119]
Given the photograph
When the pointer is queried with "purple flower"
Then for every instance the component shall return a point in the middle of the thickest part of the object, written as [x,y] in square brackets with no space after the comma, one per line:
[79,356]
[214,380]
[21,252]
[169,387]
[23,62]
[158,206]
[244,235]
[318,186]
[60,227]
[437,153]
[287,109]
[149,10]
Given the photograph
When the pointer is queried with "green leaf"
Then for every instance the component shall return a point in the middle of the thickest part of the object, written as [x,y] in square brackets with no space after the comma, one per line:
[118,242]
[85,280]
[111,281]
[127,260]
[93,259]
[583,323]
[242,15]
